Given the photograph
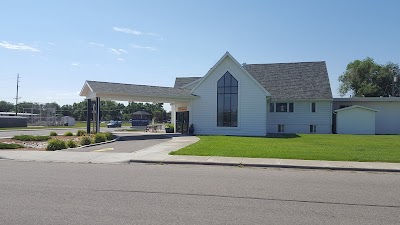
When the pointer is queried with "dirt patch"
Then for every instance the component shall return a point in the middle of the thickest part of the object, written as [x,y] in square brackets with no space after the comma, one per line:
[35,145]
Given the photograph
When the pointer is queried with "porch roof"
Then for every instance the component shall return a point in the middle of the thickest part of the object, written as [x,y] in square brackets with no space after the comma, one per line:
[134,92]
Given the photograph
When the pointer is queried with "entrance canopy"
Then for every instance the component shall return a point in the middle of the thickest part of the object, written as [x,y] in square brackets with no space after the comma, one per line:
[96,90]
[134,92]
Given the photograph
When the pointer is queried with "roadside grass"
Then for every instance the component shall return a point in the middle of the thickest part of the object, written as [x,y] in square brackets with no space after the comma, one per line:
[331,147]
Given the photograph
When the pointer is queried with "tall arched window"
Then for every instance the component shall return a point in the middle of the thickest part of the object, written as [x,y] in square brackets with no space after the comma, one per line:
[227,101]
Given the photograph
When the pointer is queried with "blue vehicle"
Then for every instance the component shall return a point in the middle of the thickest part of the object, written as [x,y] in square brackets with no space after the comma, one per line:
[114,124]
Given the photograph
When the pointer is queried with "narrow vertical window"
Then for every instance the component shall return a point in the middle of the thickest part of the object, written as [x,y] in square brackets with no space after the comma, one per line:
[291,107]
[313,107]
[271,107]
[313,128]
[227,101]
[281,128]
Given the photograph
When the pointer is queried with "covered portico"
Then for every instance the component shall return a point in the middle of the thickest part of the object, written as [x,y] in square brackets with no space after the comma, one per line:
[94,91]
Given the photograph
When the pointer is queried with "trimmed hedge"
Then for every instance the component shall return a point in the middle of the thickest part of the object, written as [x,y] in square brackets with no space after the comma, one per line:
[80,133]
[53,134]
[68,134]
[109,136]
[10,146]
[85,140]
[56,144]
[100,137]
[31,138]
[71,144]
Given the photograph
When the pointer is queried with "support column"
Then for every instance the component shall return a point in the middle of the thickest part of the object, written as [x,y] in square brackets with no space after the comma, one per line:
[88,113]
[97,114]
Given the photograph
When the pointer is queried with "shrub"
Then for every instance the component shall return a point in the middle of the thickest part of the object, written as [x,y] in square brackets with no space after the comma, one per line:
[86,140]
[56,144]
[80,133]
[68,134]
[53,134]
[109,135]
[171,126]
[71,144]
[31,138]
[10,146]
[100,137]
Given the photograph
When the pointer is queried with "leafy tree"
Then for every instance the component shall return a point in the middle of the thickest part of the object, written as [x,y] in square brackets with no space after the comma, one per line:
[6,106]
[369,79]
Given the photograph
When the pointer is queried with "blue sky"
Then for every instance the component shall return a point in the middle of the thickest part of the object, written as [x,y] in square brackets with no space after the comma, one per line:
[56,45]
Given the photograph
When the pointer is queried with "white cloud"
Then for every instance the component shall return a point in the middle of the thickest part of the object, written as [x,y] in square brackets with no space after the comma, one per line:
[19,46]
[127,30]
[121,59]
[118,51]
[133,32]
[96,44]
[75,64]
[143,47]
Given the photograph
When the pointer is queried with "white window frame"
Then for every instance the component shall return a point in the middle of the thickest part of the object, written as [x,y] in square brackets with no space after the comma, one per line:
[313,128]
[281,128]
[311,107]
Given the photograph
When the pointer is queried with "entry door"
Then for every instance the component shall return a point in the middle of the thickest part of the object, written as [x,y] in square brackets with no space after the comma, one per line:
[182,122]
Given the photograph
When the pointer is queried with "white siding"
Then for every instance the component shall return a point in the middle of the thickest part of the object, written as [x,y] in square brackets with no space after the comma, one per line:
[300,120]
[387,120]
[251,100]
[355,121]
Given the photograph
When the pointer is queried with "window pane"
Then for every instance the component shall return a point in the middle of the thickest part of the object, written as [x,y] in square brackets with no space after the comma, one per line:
[234,90]
[234,82]
[233,119]
[227,102]
[313,106]
[228,78]
[281,107]
[221,90]
[234,102]
[220,82]
[272,107]
[291,106]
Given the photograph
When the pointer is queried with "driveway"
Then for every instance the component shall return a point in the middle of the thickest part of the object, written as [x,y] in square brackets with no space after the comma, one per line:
[128,143]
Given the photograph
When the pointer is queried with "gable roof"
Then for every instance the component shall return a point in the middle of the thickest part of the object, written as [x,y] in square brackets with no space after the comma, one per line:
[293,81]
[134,89]
[354,107]
[180,82]
[228,55]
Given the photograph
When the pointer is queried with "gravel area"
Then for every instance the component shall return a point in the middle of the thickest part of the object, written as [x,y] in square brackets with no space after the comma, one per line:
[36,145]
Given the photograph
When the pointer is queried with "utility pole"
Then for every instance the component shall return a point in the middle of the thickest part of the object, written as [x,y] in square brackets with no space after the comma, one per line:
[16,99]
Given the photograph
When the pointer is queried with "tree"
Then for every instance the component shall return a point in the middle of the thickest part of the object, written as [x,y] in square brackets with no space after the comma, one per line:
[6,106]
[369,79]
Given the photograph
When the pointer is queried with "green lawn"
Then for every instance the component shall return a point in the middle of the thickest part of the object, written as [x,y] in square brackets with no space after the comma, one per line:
[333,147]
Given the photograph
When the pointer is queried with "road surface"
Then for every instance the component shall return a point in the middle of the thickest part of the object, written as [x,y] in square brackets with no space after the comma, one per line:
[68,193]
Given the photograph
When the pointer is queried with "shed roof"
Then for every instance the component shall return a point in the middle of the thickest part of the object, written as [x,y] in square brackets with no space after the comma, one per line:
[355,107]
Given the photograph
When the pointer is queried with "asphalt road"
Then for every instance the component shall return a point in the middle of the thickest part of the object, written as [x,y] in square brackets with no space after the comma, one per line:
[128,142]
[67,193]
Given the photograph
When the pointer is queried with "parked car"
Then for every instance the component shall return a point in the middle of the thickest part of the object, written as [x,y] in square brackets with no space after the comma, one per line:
[114,124]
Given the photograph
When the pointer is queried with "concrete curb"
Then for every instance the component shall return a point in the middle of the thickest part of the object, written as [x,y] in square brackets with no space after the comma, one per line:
[206,163]
[95,144]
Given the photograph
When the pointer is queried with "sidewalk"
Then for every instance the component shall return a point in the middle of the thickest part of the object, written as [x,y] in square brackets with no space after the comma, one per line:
[159,154]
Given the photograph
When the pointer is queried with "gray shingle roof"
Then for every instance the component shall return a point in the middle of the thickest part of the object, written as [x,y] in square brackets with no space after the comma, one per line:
[182,81]
[284,81]
[134,89]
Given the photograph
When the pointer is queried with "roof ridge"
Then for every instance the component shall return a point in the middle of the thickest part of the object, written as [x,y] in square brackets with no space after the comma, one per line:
[285,63]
